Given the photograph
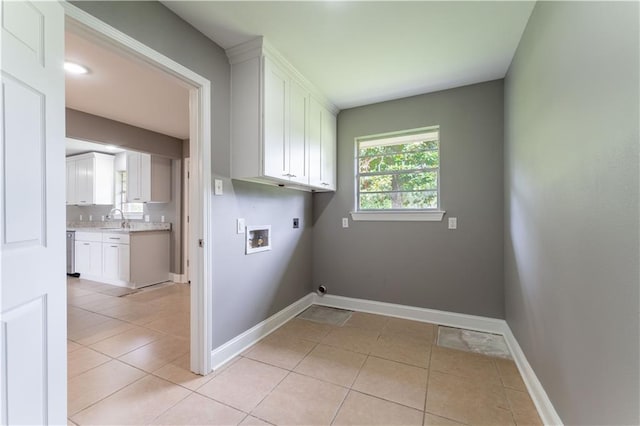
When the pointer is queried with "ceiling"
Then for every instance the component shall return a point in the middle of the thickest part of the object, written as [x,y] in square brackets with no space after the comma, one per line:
[75,146]
[124,89]
[362,52]
[356,52]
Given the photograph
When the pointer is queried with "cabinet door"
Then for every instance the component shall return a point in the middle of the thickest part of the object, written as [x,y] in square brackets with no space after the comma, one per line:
[110,260]
[84,181]
[133,178]
[115,261]
[83,257]
[71,182]
[276,126]
[328,151]
[145,177]
[298,146]
[89,258]
[315,143]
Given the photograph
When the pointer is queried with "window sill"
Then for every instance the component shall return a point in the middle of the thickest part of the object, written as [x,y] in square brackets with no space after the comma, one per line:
[380,216]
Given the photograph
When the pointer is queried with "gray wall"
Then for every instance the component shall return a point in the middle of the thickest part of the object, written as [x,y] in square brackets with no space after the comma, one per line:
[245,289]
[88,127]
[423,263]
[571,183]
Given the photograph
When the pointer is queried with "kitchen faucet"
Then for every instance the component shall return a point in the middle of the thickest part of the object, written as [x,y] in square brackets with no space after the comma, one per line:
[110,216]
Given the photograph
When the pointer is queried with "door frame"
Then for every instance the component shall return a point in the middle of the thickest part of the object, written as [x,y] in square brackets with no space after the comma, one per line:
[200,268]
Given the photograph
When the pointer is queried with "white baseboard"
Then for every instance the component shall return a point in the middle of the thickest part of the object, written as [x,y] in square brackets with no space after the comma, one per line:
[235,346]
[547,412]
[452,319]
[224,353]
[177,278]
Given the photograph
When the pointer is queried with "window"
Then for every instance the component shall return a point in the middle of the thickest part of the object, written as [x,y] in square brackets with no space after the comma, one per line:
[399,173]
[130,210]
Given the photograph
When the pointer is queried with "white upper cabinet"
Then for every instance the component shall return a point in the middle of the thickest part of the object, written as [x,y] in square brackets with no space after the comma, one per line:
[272,122]
[148,178]
[322,147]
[90,179]
[276,122]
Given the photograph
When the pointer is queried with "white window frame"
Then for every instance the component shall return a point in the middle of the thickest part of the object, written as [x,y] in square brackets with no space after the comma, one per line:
[432,214]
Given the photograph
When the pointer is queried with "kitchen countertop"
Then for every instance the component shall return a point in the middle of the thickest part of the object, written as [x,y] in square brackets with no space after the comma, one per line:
[115,227]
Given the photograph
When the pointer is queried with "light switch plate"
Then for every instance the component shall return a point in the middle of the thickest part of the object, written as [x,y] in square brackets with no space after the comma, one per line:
[453,223]
[345,222]
[217,186]
[240,226]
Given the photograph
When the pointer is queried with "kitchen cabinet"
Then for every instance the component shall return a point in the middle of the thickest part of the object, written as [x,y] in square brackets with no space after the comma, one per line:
[88,254]
[148,178]
[271,120]
[127,259]
[322,147]
[115,257]
[90,179]
[285,122]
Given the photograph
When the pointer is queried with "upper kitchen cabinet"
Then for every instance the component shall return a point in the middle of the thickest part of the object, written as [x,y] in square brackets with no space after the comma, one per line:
[90,179]
[273,124]
[322,147]
[148,178]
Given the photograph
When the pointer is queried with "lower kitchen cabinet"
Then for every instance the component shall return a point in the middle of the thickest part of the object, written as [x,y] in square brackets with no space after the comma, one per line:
[134,260]
[89,253]
[115,261]
[89,258]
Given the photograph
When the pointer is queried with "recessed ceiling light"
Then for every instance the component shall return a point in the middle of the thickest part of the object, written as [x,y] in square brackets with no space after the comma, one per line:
[74,68]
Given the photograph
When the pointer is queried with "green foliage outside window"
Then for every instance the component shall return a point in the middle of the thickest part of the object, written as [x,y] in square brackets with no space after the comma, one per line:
[398,176]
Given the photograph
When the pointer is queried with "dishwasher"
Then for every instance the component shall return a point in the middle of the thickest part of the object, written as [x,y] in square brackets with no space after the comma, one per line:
[71,254]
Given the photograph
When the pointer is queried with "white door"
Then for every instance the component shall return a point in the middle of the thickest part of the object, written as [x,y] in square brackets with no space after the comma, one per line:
[33,387]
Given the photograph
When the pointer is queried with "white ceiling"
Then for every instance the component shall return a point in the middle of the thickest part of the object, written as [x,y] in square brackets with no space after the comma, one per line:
[124,89]
[356,52]
[75,146]
[361,52]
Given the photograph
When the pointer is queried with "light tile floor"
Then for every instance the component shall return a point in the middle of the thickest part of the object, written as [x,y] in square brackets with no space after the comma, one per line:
[129,358]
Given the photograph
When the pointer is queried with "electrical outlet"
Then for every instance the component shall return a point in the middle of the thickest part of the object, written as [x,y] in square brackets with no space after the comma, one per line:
[217,187]
[240,226]
[345,222]
[453,223]
[296,222]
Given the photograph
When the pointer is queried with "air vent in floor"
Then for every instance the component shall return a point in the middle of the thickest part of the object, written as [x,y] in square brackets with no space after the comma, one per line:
[473,341]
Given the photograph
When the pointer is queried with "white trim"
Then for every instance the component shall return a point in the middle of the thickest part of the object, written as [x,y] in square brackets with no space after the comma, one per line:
[177,278]
[225,352]
[385,216]
[200,190]
[452,319]
[545,408]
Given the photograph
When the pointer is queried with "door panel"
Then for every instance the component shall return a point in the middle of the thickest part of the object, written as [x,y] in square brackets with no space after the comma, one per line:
[32,234]
[276,133]
[298,147]
[23,164]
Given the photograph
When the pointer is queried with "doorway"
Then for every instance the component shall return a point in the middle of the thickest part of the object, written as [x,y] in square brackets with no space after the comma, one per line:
[199,189]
